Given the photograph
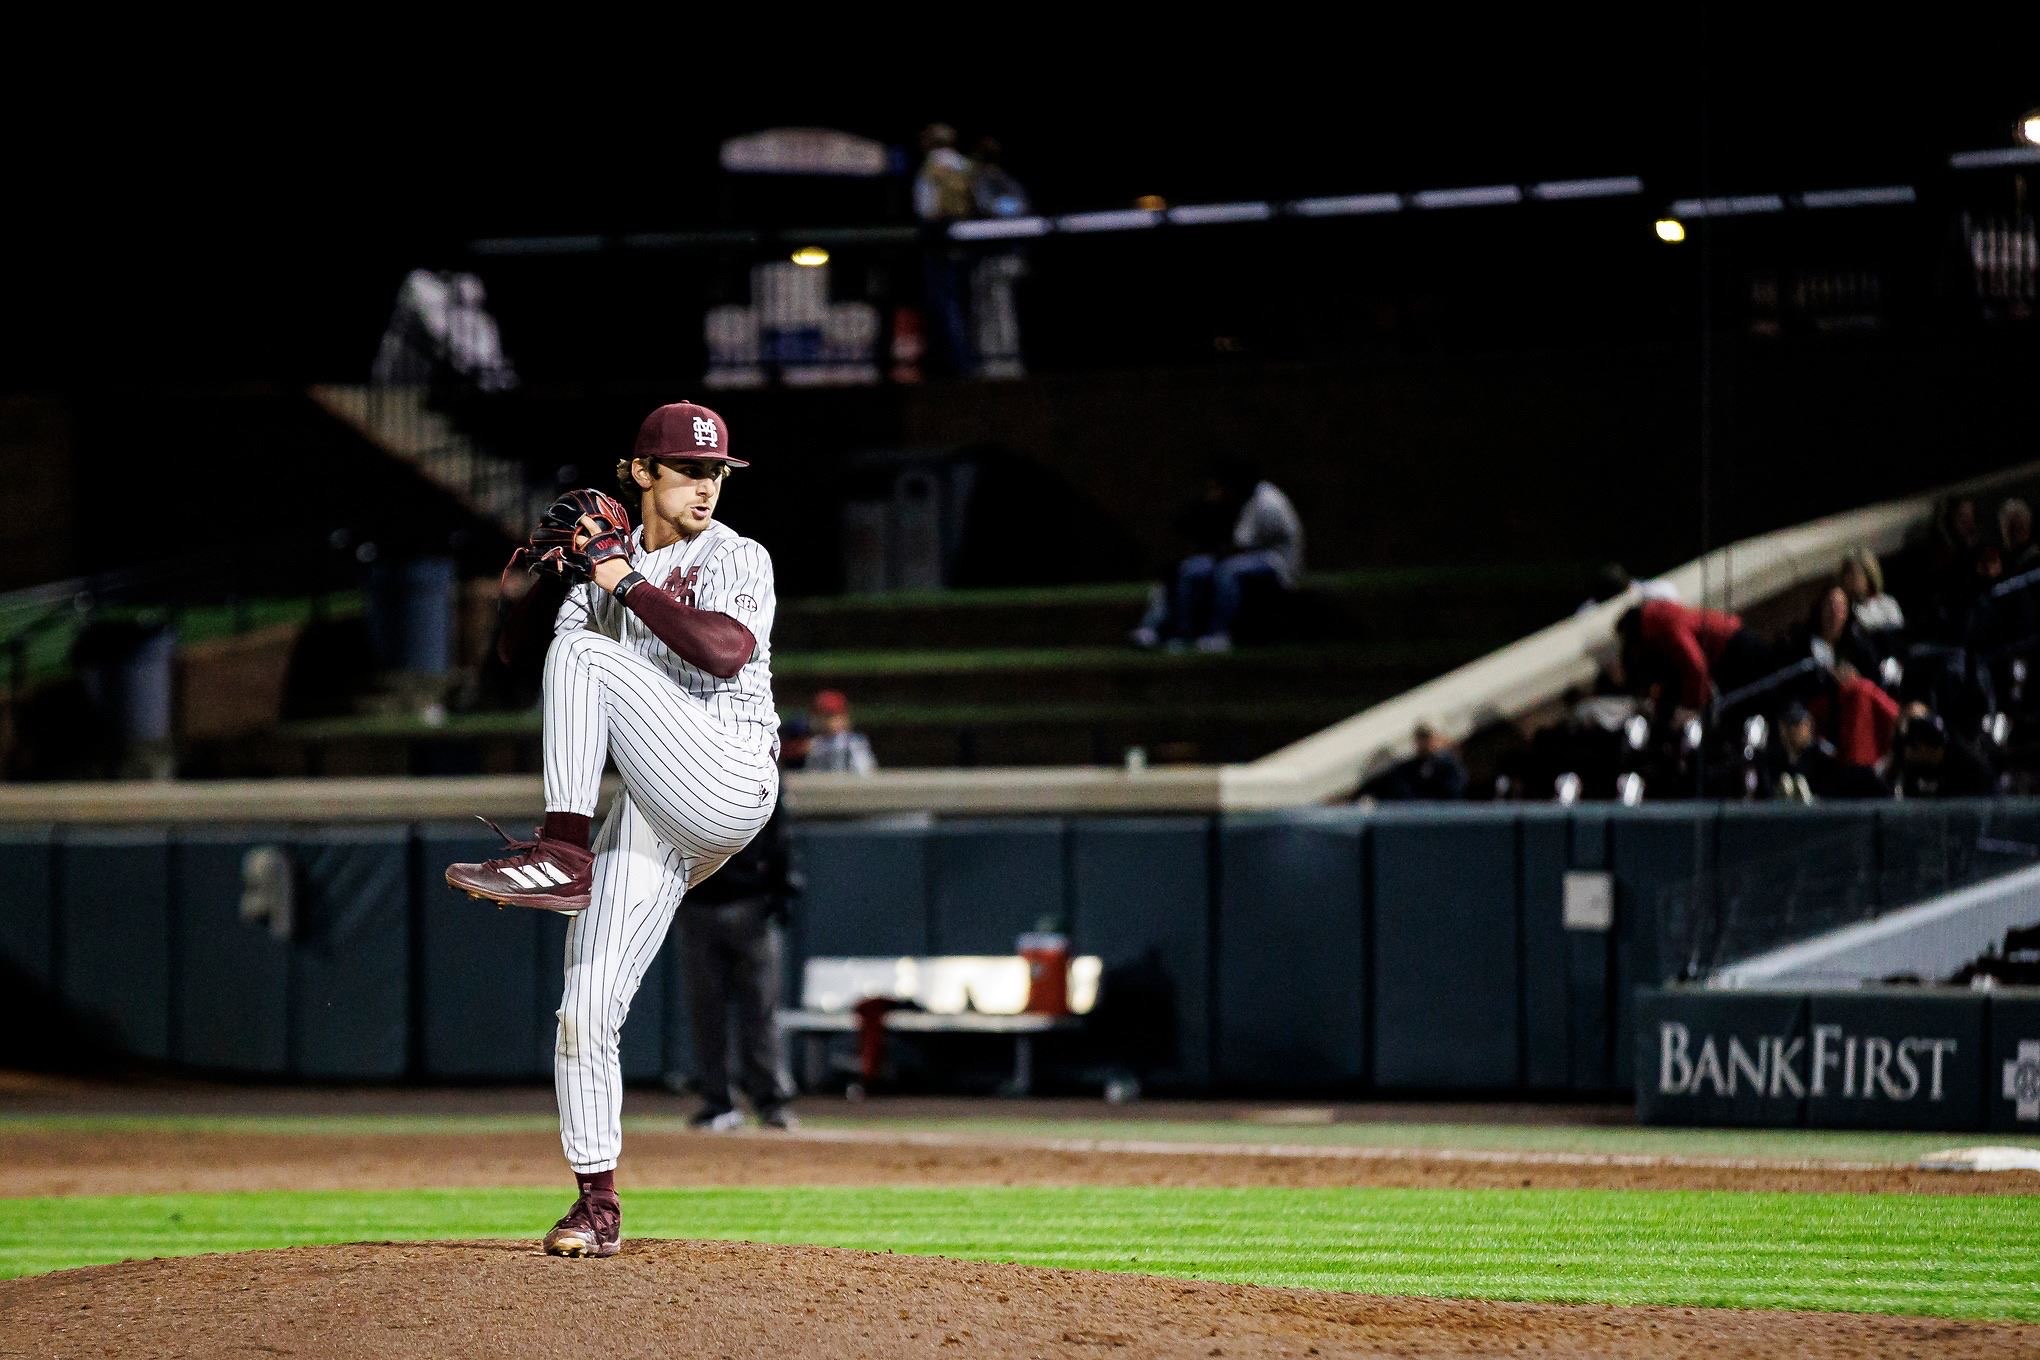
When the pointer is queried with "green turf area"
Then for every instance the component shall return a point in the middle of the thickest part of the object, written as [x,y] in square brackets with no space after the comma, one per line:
[1945,1255]
[1786,1145]
[49,648]
[1514,578]
[965,661]
[1780,1145]
[530,722]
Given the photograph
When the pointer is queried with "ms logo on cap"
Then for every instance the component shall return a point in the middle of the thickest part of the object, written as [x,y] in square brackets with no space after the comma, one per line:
[684,429]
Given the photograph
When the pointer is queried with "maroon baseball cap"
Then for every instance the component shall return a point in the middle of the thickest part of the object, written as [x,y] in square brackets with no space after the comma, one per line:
[685,430]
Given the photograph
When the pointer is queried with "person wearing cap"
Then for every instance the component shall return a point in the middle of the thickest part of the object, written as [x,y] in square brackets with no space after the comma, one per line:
[838,747]
[732,937]
[1930,761]
[1806,769]
[662,662]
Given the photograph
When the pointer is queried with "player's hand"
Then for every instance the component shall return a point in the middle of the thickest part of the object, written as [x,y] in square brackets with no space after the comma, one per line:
[609,570]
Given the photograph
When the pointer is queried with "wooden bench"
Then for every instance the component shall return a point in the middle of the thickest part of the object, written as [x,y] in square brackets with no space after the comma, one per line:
[937,994]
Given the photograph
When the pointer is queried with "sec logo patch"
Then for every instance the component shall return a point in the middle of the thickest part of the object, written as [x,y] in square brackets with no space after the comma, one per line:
[746,602]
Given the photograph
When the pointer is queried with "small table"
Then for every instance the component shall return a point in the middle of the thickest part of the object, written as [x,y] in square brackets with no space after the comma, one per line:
[813,1026]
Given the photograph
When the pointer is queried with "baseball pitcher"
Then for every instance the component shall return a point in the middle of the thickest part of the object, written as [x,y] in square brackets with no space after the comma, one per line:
[661,659]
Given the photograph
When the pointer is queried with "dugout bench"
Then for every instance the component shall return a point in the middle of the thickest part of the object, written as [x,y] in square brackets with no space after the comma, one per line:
[874,998]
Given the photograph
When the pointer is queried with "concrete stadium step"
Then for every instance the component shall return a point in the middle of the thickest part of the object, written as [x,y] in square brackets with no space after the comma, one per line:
[903,735]
[1044,676]
[1401,602]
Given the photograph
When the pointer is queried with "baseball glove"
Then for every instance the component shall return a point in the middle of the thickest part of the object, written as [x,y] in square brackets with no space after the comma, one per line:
[561,546]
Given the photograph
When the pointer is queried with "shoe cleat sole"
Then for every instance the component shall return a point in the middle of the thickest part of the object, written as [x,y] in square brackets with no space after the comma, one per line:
[581,1247]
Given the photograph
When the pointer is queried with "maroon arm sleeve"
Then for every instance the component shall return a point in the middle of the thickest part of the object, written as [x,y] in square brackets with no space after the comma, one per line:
[715,642]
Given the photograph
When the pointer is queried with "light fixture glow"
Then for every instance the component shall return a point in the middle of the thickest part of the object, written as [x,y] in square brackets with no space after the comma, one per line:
[810,257]
[2029,128]
[1671,230]
[1150,203]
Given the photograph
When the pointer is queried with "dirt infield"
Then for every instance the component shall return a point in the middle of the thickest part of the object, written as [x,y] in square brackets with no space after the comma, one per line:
[73,1162]
[677,1300]
[683,1299]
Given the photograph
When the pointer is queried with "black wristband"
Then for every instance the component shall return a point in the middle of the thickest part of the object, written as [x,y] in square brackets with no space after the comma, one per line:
[624,585]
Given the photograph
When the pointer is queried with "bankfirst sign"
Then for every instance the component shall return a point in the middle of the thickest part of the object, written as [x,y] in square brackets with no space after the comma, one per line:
[1906,1058]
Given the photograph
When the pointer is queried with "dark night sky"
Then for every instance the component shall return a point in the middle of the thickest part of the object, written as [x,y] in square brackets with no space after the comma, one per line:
[189,189]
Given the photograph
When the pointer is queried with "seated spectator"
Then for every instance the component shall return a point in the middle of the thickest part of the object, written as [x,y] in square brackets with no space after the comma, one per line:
[1952,571]
[1845,696]
[1876,613]
[837,747]
[2015,537]
[1265,543]
[1805,769]
[1434,774]
[1832,636]
[1929,761]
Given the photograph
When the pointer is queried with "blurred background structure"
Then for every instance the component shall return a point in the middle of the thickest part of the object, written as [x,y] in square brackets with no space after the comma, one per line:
[1662,434]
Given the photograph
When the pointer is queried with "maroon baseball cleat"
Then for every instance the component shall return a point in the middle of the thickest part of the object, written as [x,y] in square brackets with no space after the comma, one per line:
[551,875]
[593,1227]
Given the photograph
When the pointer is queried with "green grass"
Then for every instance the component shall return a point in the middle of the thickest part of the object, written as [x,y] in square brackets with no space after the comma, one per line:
[964,661]
[48,651]
[1511,578]
[1943,1255]
[1781,1145]
[530,722]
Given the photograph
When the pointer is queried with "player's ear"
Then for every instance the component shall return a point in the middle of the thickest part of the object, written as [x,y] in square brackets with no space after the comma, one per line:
[644,472]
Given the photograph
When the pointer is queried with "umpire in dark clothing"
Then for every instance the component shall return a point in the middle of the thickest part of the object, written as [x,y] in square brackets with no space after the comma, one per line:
[732,941]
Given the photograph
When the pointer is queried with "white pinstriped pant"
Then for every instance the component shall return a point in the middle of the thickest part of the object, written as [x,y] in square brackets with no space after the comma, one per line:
[693,796]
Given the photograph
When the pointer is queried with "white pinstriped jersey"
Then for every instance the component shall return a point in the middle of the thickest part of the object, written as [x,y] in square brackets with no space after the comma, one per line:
[731,575]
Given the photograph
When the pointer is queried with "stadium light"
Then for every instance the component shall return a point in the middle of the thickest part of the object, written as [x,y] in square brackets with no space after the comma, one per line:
[2029,128]
[1671,230]
[810,257]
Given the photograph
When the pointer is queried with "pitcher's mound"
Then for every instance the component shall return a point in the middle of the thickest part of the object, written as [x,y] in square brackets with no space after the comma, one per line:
[677,1300]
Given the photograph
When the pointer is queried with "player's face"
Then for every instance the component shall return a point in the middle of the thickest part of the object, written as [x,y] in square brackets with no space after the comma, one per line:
[686,491]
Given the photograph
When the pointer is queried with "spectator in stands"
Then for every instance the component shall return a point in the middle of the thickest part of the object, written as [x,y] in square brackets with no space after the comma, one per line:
[995,193]
[1930,761]
[1686,652]
[1806,769]
[1877,614]
[1204,528]
[942,196]
[2015,537]
[1434,774]
[1265,547]
[839,747]
[1844,695]
[732,938]
[1952,570]
[440,326]
[1832,636]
